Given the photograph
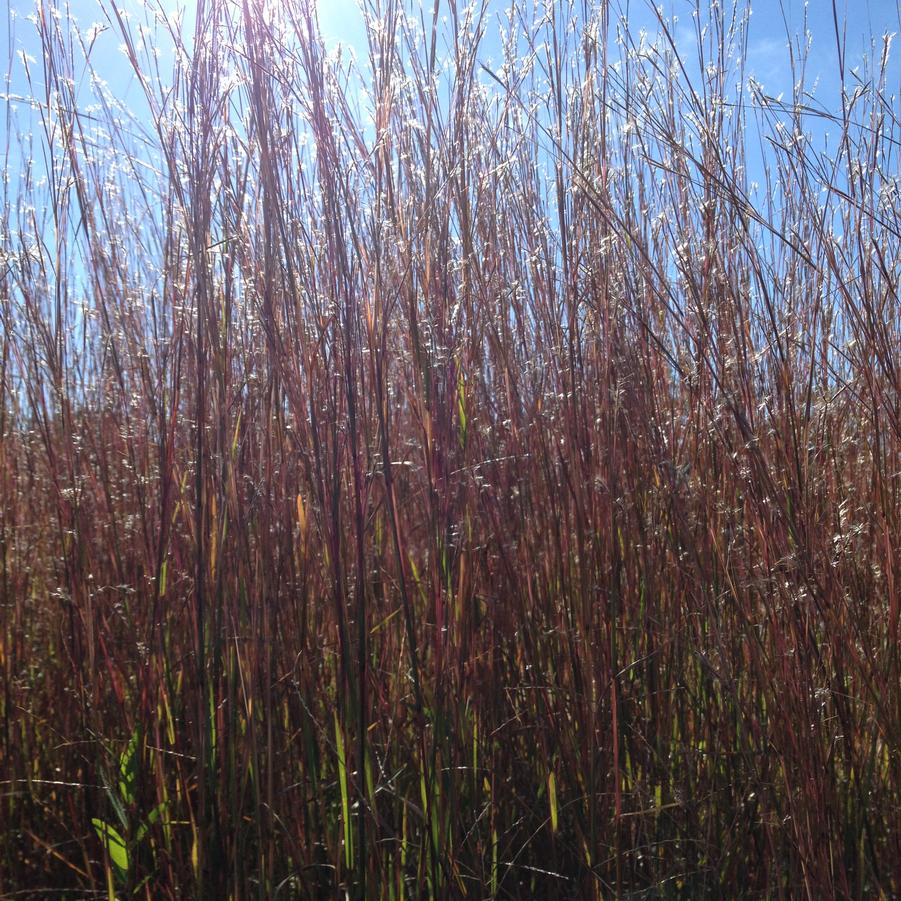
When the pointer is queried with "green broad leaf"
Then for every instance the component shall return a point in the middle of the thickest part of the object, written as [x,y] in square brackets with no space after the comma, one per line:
[152,817]
[118,805]
[115,846]
[128,769]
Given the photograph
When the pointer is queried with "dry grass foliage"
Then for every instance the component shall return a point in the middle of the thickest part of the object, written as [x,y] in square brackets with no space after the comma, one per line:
[422,478]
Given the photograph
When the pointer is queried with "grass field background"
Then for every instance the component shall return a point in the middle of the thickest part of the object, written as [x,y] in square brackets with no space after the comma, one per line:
[425,479]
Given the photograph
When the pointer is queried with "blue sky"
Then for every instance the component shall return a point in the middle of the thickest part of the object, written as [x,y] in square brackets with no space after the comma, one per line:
[767,59]
[341,21]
